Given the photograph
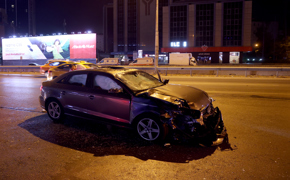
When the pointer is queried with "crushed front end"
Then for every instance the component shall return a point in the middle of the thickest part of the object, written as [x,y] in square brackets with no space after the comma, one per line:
[204,125]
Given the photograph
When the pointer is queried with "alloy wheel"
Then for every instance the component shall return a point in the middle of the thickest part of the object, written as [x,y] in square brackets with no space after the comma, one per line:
[148,129]
[54,110]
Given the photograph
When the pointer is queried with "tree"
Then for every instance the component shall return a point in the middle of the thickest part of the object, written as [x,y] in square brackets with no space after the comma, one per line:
[283,50]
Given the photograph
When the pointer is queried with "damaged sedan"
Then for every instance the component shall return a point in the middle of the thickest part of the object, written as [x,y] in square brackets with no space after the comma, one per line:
[135,99]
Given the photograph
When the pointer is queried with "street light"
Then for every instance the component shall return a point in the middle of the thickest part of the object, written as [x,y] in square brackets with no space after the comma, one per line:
[156,37]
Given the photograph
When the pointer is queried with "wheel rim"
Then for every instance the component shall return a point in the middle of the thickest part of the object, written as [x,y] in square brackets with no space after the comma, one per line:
[148,129]
[54,110]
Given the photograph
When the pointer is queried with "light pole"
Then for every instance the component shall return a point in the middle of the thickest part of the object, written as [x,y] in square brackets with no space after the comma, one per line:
[156,37]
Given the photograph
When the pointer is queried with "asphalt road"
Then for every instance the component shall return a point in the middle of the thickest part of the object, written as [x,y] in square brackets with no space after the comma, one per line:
[255,111]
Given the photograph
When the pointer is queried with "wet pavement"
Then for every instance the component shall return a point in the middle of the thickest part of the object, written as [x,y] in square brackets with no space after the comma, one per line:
[256,114]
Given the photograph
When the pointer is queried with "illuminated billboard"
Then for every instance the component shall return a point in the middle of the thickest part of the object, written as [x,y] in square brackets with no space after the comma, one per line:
[77,46]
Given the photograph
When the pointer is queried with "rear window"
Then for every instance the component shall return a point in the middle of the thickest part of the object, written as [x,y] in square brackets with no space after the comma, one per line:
[78,80]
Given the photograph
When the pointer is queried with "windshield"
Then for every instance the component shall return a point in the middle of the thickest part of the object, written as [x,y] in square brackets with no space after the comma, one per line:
[139,80]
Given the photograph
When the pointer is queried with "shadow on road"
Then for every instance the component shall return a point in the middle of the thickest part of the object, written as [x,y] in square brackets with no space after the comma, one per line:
[97,139]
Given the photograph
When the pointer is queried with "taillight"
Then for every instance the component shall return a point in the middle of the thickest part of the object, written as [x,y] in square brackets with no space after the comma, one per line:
[41,88]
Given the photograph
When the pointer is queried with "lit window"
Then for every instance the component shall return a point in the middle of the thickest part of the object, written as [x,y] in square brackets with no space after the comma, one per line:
[12,5]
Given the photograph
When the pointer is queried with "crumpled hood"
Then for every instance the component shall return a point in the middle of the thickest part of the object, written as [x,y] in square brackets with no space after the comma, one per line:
[196,98]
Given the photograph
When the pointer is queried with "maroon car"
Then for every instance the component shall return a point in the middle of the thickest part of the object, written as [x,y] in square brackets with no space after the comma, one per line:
[135,99]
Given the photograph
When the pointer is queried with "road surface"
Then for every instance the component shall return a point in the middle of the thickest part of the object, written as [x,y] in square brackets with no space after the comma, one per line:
[256,113]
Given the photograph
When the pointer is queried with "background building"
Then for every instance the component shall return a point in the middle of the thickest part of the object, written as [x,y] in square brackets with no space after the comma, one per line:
[108,28]
[19,18]
[213,31]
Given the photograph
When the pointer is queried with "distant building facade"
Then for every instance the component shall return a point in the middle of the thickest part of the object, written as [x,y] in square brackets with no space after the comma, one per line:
[100,42]
[19,17]
[108,28]
[213,31]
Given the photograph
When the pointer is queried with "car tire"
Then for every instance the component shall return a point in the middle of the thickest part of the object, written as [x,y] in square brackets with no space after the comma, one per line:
[150,129]
[55,111]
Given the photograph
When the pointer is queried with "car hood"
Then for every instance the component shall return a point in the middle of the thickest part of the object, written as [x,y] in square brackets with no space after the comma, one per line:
[196,98]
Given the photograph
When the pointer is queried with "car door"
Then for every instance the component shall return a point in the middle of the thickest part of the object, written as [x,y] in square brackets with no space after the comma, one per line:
[108,99]
[74,94]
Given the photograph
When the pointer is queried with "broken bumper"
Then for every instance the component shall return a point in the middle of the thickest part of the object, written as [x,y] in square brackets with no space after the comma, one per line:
[209,130]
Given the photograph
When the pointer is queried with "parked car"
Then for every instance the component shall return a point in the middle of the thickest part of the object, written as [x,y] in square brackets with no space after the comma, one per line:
[109,61]
[134,99]
[71,66]
[33,64]
[52,63]
[142,61]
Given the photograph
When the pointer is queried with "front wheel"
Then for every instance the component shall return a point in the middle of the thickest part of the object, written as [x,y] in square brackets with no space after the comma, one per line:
[151,130]
[55,111]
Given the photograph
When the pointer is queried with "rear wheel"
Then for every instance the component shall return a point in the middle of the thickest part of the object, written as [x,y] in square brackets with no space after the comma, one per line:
[55,111]
[150,129]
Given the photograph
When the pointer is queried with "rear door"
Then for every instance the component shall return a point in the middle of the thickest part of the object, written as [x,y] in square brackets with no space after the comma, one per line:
[74,94]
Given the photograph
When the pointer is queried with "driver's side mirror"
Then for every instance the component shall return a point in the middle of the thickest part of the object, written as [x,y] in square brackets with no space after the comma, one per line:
[115,90]
[166,81]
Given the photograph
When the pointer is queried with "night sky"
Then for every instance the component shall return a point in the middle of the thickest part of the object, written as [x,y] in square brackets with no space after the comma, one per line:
[88,14]
[79,15]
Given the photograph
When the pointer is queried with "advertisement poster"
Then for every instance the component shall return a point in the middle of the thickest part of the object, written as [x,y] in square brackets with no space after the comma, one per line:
[78,46]
[234,57]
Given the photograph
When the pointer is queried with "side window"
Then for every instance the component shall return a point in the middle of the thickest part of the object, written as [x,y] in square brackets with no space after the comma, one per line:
[62,81]
[54,64]
[78,79]
[65,67]
[105,83]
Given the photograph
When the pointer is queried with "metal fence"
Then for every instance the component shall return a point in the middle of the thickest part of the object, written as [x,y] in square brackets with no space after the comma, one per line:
[217,71]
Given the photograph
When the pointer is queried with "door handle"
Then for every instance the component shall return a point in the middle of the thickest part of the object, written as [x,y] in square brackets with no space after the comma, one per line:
[62,93]
[91,97]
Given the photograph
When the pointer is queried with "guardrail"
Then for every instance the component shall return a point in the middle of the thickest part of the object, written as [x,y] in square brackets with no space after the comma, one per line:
[19,68]
[244,71]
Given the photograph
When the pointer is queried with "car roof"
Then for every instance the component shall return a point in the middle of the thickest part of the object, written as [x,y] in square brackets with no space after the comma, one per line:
[72,62]
[59,60]
[109,70]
